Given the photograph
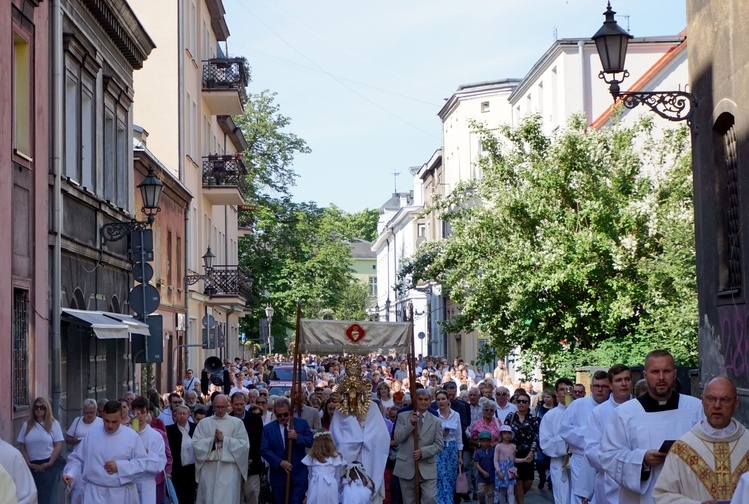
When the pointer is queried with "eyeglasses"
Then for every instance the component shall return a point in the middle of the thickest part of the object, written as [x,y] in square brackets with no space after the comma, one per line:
[263,394]
[723,401]
[521,401]
[261,402]
[599,387]
[502,393]
[282,415]
[40,407]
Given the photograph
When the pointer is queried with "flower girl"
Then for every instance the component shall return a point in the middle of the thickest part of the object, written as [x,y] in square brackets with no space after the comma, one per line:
[324,463]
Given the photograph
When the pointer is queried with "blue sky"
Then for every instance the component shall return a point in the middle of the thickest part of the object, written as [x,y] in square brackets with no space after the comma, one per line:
[363,81]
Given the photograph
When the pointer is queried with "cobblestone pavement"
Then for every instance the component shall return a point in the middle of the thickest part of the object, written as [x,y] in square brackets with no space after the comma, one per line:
[535,496]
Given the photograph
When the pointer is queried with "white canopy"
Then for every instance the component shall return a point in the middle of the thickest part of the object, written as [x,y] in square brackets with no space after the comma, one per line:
[341,336]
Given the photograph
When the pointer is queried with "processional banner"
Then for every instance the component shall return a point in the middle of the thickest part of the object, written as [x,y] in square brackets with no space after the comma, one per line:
[340,336]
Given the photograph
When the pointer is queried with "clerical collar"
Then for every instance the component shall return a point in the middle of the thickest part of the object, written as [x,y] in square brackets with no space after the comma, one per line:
[719,433]
[651,405]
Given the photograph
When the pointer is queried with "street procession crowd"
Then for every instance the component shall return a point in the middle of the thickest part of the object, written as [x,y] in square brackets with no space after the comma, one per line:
[356,435]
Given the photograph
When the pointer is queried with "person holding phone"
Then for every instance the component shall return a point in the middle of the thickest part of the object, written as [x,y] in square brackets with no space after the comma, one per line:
[696,461]
[629,449]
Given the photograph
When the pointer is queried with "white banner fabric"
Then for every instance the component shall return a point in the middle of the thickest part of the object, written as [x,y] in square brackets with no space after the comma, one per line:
[340,336]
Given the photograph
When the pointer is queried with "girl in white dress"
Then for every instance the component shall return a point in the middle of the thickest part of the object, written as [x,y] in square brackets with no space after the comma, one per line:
[324,464]
[357,486]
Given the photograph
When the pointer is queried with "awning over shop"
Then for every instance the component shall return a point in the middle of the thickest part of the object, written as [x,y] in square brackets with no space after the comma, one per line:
[105,325]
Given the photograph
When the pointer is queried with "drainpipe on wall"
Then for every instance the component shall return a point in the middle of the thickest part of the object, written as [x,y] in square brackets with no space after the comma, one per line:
[56,163]
[186,292]
[181,97]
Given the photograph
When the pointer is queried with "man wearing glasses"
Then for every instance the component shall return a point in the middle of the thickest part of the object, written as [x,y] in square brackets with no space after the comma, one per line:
[686,474]
[222,450]
[167,416]
[276,438]
[504,406]
[575,430]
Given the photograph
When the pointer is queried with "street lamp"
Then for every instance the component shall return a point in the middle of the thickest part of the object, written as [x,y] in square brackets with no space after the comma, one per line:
[150,192]
[611,43]
[269,311]
[208,259]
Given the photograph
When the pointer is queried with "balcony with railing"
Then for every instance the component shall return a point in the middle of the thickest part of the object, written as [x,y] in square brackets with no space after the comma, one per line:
[245,219]
[225,179]
[223,82]
[228,285]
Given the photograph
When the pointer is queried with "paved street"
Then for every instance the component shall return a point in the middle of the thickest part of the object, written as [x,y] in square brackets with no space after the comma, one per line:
[535,496]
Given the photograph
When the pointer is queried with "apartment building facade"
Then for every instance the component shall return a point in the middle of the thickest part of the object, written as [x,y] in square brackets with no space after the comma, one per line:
[187,94]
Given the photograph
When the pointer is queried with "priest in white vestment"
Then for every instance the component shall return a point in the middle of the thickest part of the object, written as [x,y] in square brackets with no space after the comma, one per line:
[108,461]
[363,439]
[575,432]
[222,451]
[554,447]
[706,463]
[14,463]
[630,446]
[605,489]
[153,442]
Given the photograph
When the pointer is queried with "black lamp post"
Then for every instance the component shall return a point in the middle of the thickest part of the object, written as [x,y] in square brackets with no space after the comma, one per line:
[208,259]
[611,42]
[150,192]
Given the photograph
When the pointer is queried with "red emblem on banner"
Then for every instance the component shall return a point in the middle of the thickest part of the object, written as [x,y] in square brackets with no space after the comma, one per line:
[355,332]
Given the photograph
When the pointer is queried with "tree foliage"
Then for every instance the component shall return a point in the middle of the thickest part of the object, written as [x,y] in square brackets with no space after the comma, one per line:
[578,248]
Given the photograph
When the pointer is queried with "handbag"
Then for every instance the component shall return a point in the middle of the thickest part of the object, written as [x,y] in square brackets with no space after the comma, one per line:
[461,484]
[512,472]
[170,494]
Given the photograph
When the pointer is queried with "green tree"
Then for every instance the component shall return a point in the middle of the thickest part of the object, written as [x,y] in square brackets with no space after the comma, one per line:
[578,248]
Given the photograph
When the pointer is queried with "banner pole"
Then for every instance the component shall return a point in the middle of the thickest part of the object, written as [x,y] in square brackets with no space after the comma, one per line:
[412,387]
[295,399]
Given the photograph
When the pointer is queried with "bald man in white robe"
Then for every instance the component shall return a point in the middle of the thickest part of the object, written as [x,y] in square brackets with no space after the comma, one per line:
[222,451]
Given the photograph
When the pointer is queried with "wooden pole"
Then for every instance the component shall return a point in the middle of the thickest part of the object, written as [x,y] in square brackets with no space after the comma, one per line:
[295,384]
[412,387]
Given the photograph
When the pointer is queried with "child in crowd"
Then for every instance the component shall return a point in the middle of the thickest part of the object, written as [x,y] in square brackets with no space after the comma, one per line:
[483,459]
[504,465]
[358,488]
[324,463]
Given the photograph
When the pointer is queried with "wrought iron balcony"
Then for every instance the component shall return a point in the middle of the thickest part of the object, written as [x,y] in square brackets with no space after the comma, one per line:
[225,179]
[221,73]
[223,81]
[228,281]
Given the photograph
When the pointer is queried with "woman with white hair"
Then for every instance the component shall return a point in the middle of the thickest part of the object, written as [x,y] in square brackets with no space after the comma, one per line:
[82,424]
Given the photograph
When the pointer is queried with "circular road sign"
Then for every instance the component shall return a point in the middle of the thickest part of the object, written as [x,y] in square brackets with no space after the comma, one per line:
[138,272]
[422,335]
[136,298]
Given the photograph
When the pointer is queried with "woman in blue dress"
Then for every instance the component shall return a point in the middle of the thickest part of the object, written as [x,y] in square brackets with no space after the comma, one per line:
[450,457]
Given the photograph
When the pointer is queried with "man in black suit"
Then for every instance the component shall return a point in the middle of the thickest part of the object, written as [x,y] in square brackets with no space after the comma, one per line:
[183,456]
[253,423]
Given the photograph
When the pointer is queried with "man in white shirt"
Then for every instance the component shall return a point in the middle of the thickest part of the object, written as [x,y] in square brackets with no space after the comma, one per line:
[189,381]
[574,432]
[166,416]
[552,444]
[504,406]
[605,489]
[631,447]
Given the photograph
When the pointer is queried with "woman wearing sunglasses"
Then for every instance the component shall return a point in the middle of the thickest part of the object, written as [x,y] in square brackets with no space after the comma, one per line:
[40,443]
[525,427]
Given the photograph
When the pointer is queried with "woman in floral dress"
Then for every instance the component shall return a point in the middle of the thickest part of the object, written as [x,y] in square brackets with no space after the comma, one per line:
[450,457]
[525,428]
